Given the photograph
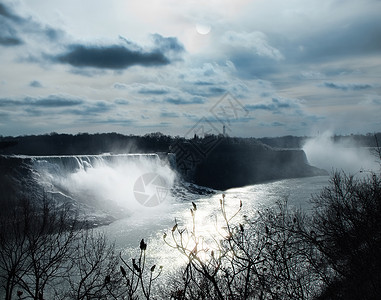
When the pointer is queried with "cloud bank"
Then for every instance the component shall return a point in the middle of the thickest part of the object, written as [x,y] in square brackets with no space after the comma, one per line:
[109,57]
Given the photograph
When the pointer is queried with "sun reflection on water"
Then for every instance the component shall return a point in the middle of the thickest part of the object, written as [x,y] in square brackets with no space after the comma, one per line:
[209,223]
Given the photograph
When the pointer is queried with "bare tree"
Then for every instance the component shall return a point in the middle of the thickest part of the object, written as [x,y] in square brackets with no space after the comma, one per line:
[36,243]
[267,257]
[347,229]
[94,272]
[13,248]
[138,278]
[49,233]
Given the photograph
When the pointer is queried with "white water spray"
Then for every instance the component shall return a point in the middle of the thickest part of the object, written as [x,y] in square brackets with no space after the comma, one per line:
[107,182]
[327,154]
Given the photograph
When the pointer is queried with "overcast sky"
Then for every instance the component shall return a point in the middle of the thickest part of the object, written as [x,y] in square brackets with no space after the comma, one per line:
[259,68]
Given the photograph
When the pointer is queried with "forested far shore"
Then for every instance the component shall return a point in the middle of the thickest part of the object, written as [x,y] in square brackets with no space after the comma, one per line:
[85,143]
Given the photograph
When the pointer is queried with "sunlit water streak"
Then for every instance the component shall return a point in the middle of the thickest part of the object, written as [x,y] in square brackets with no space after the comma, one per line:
[152,224]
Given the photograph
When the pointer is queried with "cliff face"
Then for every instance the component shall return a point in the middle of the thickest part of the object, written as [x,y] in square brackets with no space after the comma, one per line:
[232,165]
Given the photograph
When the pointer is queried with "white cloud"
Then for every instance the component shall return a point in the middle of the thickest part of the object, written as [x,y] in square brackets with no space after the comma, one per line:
[254,41]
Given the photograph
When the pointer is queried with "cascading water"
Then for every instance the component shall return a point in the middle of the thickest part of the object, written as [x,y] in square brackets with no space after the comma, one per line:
[105,184]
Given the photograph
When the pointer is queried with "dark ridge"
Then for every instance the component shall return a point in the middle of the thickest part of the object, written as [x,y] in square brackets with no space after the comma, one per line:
[232,165]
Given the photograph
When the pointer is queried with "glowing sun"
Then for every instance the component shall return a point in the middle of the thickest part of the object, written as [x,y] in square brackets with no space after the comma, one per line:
[203,28]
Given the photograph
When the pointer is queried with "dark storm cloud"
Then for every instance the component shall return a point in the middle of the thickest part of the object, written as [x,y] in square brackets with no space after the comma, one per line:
[53,101]
[204,91]
[12,26]
[10,41]
[360,36]
[376,101]
[202,83]
[86,72]
[109,57]
[8,34]
[52,33]
[144,89]
[165,124]
[4,115]
[217,90]
[35,84]
[122,122]
[184,101]
[120,86]
[277,124]
[275,105]
[131,45]
[251,65]
[121,101]
[347,87]
[254,54]
[7,13]
[153,91]
[33,112]
[7,102]
[166,114]
[47,102]
[92,108]
[17,29]
[168,44]
[59,105]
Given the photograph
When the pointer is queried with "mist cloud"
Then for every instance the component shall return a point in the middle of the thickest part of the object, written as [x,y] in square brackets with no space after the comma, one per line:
[324,153]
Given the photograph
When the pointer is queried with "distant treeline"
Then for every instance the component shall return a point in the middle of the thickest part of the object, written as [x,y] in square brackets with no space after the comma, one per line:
[85,143]
[289,141]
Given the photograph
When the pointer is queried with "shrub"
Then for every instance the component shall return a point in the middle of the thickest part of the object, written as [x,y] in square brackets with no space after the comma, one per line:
[347,224]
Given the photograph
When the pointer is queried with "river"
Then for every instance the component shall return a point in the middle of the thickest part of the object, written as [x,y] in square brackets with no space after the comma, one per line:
[152,223]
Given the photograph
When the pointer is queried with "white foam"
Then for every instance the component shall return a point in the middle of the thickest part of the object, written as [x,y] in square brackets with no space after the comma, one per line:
[102,179]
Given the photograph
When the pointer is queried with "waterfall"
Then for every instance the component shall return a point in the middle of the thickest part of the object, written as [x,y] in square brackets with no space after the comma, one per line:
[113,184]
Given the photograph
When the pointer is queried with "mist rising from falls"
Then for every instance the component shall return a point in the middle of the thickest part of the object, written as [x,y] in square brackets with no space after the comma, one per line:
[107,182]
[323,152]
